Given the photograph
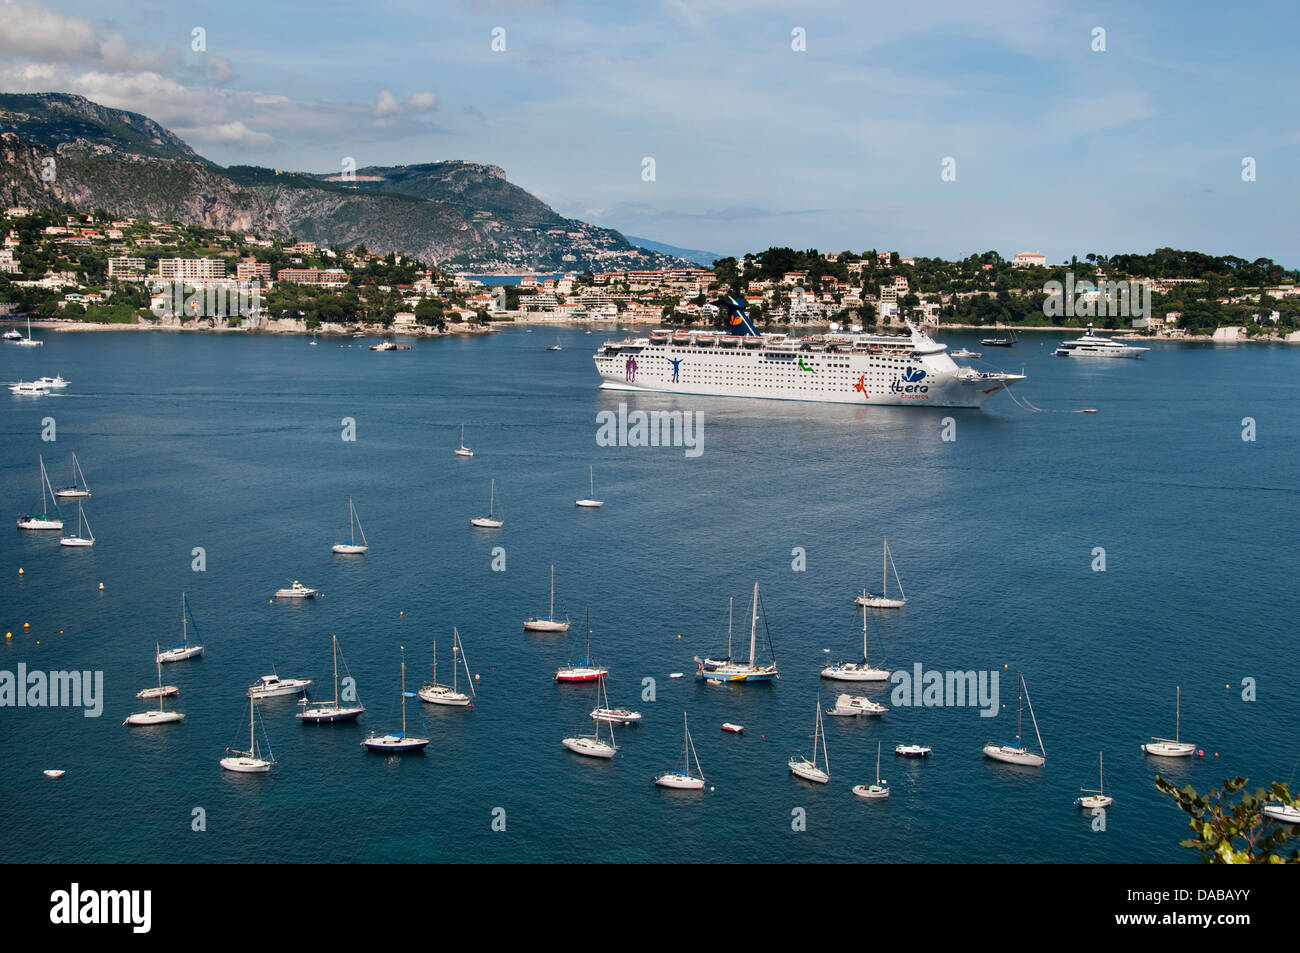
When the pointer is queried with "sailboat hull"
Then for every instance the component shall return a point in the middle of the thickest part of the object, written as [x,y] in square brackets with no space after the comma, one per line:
[243,765]
[546,625]
[854,672]
[180,654]
[1013,755]
[579,674]
[329,715]
[880,602]
[153,718]
[442,695]
[680,782]
[395,744]
[482,522]
[39,522]
[1170,749]
[348,549]
[589,747]
[808,771]
[72,494]
[76,542]
[871,791]
[589,504]
[1094,801]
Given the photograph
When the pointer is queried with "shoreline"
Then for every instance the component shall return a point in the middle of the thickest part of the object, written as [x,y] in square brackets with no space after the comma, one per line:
[58,325]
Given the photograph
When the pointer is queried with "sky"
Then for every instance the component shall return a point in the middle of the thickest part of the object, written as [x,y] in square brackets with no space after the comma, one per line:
[810,125]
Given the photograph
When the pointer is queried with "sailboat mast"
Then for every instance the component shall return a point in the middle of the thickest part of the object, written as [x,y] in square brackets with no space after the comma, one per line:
[731,602]
[252,739]
[591,473]
[884,569]
[586,654]
[336,671]
[753,627]
[455,639]
[552,615]
[185,630]
[1020,704]
[403,691]
[1178,713]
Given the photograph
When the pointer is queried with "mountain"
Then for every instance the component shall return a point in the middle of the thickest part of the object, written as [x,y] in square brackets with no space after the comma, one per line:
[700,257]
[460,215]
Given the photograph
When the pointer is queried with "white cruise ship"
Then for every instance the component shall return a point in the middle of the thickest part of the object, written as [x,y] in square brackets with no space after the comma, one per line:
[1090,345]
[900,370]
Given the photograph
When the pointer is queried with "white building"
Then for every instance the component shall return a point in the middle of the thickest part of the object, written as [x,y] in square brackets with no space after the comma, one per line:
[1027,259]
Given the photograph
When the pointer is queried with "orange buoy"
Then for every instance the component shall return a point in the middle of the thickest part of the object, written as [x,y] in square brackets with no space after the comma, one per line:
[27,625]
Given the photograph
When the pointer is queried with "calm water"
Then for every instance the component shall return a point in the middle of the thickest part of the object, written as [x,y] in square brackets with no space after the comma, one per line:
[233,444]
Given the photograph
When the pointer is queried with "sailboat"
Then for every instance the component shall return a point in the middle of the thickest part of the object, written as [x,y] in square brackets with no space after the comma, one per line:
[1163,747]
[487,522]
[808,770]
[28,341]
[856,671]
[883,601]
[727,670]
[399,743]
[436,694]
[161,716]
[76,539]
[1018,753]
[584,671]
[351,547]
[44,520]
[1097,798]
[876,791]
[555,346]
[590,502]
[593,746]
[548,623]
[1001,342]
[462,450]
[184,648]
[330,712]
[78,488]
[683,780]
[250,761]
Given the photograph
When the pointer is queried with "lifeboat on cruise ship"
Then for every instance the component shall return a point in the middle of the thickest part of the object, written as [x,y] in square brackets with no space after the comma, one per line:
[729,340]
[706,340]
[658,337]
[682,337]
[753,340]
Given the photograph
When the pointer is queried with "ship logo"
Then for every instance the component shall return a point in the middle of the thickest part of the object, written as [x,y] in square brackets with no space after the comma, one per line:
[862,386]
[913,375]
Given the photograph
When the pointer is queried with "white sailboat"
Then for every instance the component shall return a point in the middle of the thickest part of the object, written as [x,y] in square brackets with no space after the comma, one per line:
[329,712]
[593,746]
[883,601]
[488,522]
[250,761]
[43,520]
[351,547]
[29,341]
[586,670]
[1017,753]
[161,716]
[398,743]
[436,694]
[1177,748]
[184,648]
[683,780]
[590,502]
[856,671]
[809,770]
[548,623]
[78,488]
[1098,798]
[877,791]
[76,539]
[462,450]
[727,670]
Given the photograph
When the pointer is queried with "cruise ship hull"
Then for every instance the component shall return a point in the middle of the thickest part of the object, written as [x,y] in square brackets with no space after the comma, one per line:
[865,369]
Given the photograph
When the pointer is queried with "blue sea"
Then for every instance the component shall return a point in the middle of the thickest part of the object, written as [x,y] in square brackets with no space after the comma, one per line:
[235,444]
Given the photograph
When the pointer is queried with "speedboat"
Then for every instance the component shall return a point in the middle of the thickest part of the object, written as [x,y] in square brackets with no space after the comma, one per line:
[1283,813]
[853,705]
[384,346]
[1091,345]
[913,751]
[162,691]
[272,686]
[963,352]
[296,591]
[29,389]
[616,716]
[13,334]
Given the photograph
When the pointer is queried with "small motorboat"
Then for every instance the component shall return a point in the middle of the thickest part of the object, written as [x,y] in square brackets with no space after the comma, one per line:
[734,729]
[855,705]
[616,716]
[53,772]
[162,691]
[296,591]
[913,751]
[963,352]
[273,686]
[1276,811]
[56,382]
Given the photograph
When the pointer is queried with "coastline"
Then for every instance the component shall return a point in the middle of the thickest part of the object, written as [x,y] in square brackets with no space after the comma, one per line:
[284,327]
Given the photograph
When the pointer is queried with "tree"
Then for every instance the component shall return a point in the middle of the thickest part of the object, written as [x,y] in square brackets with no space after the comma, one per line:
[1228,833]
